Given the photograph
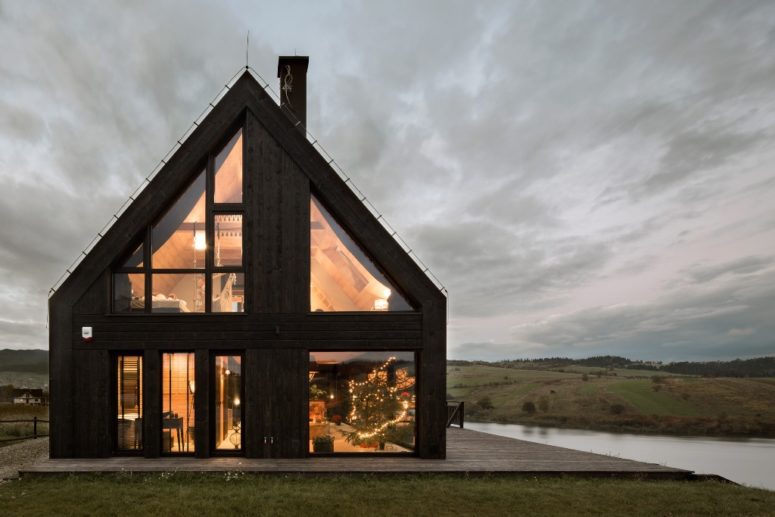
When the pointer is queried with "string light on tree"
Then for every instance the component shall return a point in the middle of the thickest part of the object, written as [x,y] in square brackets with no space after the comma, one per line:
[377,404]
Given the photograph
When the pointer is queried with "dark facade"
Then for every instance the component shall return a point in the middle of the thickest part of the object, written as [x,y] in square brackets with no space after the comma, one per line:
[284,366]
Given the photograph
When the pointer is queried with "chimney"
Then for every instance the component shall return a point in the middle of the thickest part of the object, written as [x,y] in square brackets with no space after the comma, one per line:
[292,71]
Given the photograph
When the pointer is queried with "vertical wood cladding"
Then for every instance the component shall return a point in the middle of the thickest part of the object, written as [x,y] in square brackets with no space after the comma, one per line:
[152,404]
[277,330]
[282,233]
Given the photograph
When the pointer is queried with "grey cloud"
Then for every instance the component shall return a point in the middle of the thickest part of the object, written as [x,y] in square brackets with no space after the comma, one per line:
[684,325]
[744,266]
[528,151]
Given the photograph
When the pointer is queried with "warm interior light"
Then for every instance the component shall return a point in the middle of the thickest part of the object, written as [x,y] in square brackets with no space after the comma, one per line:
[228,372]
[331,396]
[386,293]
[236,401]
[380,304]
[192,386]
[200,243]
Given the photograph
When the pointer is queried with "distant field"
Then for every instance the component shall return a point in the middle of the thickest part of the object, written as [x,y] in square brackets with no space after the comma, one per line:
[18,430]
[24,379]
[617,400]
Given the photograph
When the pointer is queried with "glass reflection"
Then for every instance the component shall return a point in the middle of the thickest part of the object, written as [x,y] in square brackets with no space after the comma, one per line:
[362,402]
[228,403]
[178,389]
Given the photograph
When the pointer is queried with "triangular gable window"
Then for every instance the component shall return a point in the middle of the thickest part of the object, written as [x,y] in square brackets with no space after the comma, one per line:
[196,248]
[342,276]
[228,171]
[178,239]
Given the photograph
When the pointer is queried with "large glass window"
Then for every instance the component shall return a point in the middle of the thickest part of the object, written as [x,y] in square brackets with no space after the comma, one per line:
[228,402]
[196,248]
[178,389]
[129,402]
[228,172]
[362,402]
[342,277]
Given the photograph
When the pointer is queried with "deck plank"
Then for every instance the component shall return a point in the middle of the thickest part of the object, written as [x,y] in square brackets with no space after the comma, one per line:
[468,452]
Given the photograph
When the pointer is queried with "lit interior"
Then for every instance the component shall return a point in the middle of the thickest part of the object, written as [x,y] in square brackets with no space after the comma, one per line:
[362,402]
[129,403]
[179,241]
[228,402]
[342,277]
[178,389]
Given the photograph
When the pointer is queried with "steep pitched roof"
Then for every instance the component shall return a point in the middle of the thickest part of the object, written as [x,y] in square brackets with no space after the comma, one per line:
[247,94]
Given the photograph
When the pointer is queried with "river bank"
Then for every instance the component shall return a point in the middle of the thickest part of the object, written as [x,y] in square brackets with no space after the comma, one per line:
[742,460]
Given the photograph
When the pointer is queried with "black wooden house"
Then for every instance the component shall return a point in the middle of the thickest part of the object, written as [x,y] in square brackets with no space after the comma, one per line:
[248,303]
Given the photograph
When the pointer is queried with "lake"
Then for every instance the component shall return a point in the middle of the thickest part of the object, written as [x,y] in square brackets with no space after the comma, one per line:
[748,461]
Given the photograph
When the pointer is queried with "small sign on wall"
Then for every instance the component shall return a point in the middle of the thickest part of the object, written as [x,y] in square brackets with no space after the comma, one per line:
[86,334]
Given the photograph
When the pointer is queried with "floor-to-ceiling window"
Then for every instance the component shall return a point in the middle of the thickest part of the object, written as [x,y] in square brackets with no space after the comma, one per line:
[228,402]
[129,403]
[362,401]
[178,389]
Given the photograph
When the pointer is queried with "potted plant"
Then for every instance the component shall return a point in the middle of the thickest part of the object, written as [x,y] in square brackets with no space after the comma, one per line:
[323,443]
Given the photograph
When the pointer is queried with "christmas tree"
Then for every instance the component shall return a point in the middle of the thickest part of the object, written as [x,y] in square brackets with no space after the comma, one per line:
[375,406]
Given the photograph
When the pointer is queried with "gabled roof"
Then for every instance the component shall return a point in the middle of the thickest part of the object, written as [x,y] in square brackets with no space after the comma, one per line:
[247,94]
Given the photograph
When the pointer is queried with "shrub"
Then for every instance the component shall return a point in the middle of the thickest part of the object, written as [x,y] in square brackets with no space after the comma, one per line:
[656,387]
[585,377]
[485,403]
[529,408]
[657,379]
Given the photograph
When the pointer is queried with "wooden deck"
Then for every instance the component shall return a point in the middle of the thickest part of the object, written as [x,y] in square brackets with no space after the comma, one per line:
[468,452]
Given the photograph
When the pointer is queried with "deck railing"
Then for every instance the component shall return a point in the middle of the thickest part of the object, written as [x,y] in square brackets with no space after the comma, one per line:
[35,434]
[455,413]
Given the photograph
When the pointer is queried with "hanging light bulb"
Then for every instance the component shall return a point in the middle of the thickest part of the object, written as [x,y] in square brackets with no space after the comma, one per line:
[200,242]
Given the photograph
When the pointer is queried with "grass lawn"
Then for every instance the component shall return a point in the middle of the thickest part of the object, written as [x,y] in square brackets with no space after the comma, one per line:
[236,494]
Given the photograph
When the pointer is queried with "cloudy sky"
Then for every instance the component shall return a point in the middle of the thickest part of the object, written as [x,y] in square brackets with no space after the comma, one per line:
[584,177]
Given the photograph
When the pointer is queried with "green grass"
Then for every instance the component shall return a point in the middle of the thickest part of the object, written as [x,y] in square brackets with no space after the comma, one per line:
[641,395]
[235,494]
[617,400]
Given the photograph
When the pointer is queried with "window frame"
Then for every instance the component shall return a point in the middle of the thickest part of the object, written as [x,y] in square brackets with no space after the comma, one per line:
[417,357]
[314,194]
[211,210]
